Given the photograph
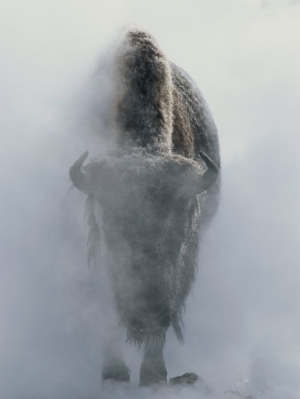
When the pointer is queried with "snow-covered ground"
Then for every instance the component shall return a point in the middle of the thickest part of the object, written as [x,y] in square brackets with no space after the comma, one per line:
[242,327]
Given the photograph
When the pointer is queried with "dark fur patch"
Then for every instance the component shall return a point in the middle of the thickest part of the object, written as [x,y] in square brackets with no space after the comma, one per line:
[143,113]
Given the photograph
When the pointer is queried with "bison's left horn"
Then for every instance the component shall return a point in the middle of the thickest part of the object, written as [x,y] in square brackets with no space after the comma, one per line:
[78,176]
[210,175]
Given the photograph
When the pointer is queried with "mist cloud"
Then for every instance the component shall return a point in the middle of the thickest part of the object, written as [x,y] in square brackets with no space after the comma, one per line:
[241,323]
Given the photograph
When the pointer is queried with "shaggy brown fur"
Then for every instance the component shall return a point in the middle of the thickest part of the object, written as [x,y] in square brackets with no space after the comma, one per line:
[144,108]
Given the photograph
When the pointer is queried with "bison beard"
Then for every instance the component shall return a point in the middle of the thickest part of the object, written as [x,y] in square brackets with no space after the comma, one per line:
[157,190]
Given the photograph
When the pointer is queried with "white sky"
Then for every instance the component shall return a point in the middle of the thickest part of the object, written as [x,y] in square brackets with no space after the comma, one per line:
[244,312]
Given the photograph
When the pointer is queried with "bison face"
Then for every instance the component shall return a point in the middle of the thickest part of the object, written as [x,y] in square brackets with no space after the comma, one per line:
[148,207]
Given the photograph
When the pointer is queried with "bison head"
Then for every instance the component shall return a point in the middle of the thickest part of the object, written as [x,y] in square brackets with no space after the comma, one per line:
[147,203]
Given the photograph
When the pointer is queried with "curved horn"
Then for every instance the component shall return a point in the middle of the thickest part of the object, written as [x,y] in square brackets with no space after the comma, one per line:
[78,177]
[210,175]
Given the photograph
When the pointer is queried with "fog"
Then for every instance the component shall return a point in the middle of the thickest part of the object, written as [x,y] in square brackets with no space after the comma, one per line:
[242,323]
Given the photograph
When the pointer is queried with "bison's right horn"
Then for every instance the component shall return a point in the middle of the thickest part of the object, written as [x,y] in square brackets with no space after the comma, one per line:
[211,173]
[78,177]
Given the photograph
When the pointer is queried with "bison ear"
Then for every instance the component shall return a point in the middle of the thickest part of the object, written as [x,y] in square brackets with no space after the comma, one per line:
[78,177]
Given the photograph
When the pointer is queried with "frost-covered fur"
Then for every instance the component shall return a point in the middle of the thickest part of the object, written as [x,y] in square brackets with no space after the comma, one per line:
[150,222]
[149,189]
[144,106]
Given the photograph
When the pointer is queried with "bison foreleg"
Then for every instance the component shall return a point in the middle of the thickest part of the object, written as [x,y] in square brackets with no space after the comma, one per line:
[153,369]
[114,367]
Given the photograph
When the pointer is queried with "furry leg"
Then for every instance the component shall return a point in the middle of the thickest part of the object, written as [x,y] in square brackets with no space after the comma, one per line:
[114,367]
[153,369]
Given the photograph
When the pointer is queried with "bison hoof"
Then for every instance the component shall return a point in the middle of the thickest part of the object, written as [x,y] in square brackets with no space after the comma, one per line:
[187,378]
[152,376]
[120,373]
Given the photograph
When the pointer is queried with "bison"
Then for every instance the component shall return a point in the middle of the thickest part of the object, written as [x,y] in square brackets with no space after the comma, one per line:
[158,189]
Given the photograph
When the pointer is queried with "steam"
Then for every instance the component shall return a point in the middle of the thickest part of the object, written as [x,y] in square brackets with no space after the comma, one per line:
[241,323]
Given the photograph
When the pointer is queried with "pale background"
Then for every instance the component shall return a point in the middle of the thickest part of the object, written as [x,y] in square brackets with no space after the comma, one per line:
[242,327]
